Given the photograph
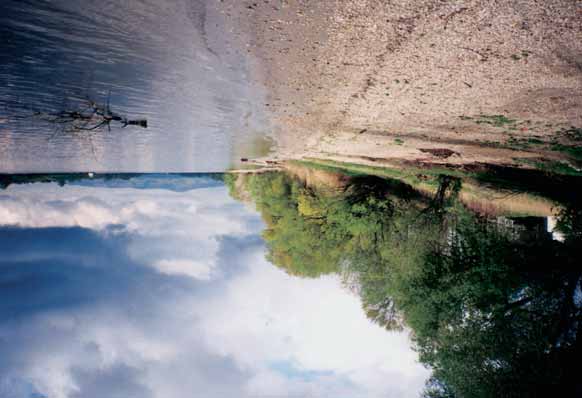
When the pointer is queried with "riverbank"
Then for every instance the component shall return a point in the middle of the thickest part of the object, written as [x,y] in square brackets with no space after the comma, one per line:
[469,82]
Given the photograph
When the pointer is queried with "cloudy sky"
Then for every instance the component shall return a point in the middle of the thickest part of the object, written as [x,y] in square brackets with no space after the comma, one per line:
[161,289]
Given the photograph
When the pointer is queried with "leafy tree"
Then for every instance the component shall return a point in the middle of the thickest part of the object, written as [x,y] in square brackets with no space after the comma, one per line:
[494,313]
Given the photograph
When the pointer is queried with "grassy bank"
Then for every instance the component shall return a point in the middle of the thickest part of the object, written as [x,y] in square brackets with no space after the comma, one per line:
[483,190]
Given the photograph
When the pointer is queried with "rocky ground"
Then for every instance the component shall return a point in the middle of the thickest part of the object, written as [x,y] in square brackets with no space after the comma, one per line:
[435,81]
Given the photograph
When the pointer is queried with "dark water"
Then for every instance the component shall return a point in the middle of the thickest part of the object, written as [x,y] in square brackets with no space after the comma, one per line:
[172,62]
[274,284]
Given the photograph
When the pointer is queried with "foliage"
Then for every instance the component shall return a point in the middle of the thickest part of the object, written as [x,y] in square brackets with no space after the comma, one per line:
[494,311]
[494,120]
[299,243]
[60,178]
[575,151]
[230,182]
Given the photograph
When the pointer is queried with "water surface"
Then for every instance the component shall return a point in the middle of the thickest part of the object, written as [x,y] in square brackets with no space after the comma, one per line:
[490,290]
[313,281]
[158,286]
[173,63]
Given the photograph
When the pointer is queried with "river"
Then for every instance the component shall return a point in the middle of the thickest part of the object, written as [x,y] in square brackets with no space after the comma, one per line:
[172,62]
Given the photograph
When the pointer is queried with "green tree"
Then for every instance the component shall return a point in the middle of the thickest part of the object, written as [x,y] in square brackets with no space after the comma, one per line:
[494,313]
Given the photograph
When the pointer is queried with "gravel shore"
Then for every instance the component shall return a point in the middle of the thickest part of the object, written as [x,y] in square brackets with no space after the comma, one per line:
[376,79]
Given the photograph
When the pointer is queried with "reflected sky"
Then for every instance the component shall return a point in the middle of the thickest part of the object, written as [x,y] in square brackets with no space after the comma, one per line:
[176,63]
[158,287]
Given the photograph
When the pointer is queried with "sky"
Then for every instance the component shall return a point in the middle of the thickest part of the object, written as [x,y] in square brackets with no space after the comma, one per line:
[156,290]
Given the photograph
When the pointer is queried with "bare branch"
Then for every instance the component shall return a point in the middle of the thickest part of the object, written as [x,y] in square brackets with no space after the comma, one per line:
[90,116]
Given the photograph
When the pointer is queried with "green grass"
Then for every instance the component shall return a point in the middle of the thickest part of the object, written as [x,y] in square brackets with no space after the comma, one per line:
[521,143]
[495,120]
[515,143]
[551,166]
[573,151]
[477,186]
[494,144]
[409,175]
[558,168]
[535,141]
[398,141]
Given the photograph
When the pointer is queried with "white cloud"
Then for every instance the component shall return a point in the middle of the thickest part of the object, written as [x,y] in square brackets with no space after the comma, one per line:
[267,316]
[195,269]
[175,232]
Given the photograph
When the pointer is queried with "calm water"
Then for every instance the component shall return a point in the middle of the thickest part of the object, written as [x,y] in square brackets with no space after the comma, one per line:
[312,281]
[304,283]
[172,62]
[158,286]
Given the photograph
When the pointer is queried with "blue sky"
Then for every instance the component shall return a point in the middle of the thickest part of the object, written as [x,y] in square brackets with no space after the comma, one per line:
[142,292]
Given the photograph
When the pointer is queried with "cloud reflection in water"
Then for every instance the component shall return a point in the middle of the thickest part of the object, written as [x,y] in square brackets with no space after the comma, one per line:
[130,291]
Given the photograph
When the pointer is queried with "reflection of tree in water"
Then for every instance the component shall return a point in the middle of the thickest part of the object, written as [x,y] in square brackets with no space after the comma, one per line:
[493,313]
[81,117]
[60,178]
[84,114]
[89,117]
[495,316]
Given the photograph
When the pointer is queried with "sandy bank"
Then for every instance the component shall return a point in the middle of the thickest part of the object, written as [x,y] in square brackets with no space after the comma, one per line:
[489,80]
